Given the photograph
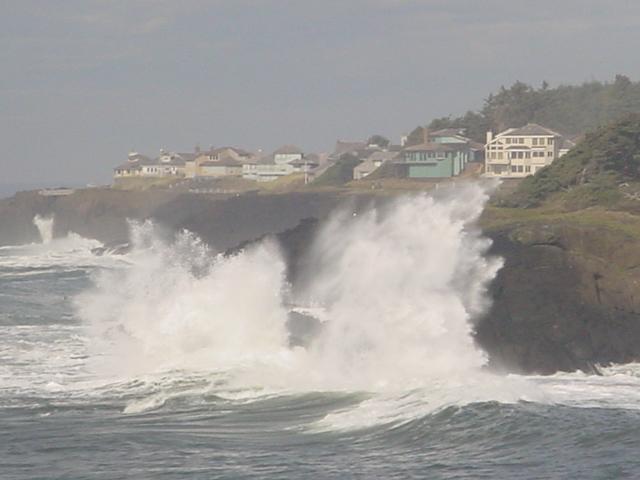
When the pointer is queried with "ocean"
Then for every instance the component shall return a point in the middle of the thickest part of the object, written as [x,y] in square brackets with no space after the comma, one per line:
[172,361]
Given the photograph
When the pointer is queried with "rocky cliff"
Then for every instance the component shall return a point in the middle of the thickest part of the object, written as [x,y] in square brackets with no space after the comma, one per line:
[224,221]
[567,297]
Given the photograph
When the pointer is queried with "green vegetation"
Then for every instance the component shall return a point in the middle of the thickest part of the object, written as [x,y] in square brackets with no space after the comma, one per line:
[568,109]
[143,183]
[592,172]
[494,218]
[339,173]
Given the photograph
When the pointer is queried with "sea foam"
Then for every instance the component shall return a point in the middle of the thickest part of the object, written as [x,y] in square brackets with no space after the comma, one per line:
[400,286]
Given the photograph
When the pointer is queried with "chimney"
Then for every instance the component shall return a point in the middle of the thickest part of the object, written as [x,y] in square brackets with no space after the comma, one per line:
[489,137]
[425,135]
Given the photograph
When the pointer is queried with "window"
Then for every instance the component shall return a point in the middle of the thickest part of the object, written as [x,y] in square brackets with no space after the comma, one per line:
[521,155]
[527,155]
[514,169]
[521,141]
[535,141]
[550,141]
[508,140]
[549,154]
[500,156]
[520,168]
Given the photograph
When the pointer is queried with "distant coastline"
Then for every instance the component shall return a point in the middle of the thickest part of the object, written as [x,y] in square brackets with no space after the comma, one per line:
[9,189]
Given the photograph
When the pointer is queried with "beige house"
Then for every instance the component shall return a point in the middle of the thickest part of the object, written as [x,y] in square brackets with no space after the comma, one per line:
[519,152]
[218,162]
[226,167]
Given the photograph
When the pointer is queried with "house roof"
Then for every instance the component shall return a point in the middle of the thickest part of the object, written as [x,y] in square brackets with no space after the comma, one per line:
[223,162]
[136,164]
[129,166]
[448,132]
[176,161]
[188,156]
[288,150]
[567,144]
[382,156]
[136,157]
[366,166]
[436,147]
[346,147]
[529,129]
[239,151]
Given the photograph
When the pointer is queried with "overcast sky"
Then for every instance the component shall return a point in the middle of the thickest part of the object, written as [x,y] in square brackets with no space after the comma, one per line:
[85,81]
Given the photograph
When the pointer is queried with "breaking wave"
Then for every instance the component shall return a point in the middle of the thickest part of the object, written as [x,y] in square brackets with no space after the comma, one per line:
[45,228]
[399,287]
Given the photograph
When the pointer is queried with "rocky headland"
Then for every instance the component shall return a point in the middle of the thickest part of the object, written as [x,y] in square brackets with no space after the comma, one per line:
[567,295]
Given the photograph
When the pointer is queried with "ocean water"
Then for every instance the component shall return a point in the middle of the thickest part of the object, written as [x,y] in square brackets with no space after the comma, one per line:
[175,362]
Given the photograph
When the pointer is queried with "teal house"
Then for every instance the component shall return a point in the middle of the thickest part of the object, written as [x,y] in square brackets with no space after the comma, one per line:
[456,136]
[434,160]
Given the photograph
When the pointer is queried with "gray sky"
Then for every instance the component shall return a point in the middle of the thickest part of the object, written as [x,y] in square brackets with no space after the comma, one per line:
[85,81]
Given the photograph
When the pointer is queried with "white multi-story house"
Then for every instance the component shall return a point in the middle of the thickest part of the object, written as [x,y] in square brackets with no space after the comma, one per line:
[287,154]
[285,161]
[519,152]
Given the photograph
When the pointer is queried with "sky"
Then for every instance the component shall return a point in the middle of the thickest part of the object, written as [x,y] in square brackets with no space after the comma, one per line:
[86,81]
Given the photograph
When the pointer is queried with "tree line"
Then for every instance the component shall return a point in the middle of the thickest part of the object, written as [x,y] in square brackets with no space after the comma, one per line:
[571,110]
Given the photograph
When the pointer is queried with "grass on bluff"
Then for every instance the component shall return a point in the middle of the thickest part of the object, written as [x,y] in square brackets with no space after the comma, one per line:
[498,218]
[143,183]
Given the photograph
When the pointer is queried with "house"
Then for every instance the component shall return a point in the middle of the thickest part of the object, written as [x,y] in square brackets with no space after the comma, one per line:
[238,154]
[375,160]
[287,154]
[169,164]
[565,146]
[218,162]
[457,136]
[519,152]
[225,167]
[133,166]
[266,170]
[343,147]
[434,160]
[286,160]
[448,135]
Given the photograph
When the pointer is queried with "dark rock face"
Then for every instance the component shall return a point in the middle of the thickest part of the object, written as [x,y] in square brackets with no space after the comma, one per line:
[565,299]
[16,218]
[223,221]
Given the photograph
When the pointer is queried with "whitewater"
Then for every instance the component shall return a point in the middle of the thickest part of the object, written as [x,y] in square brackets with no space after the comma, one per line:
[177,361]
